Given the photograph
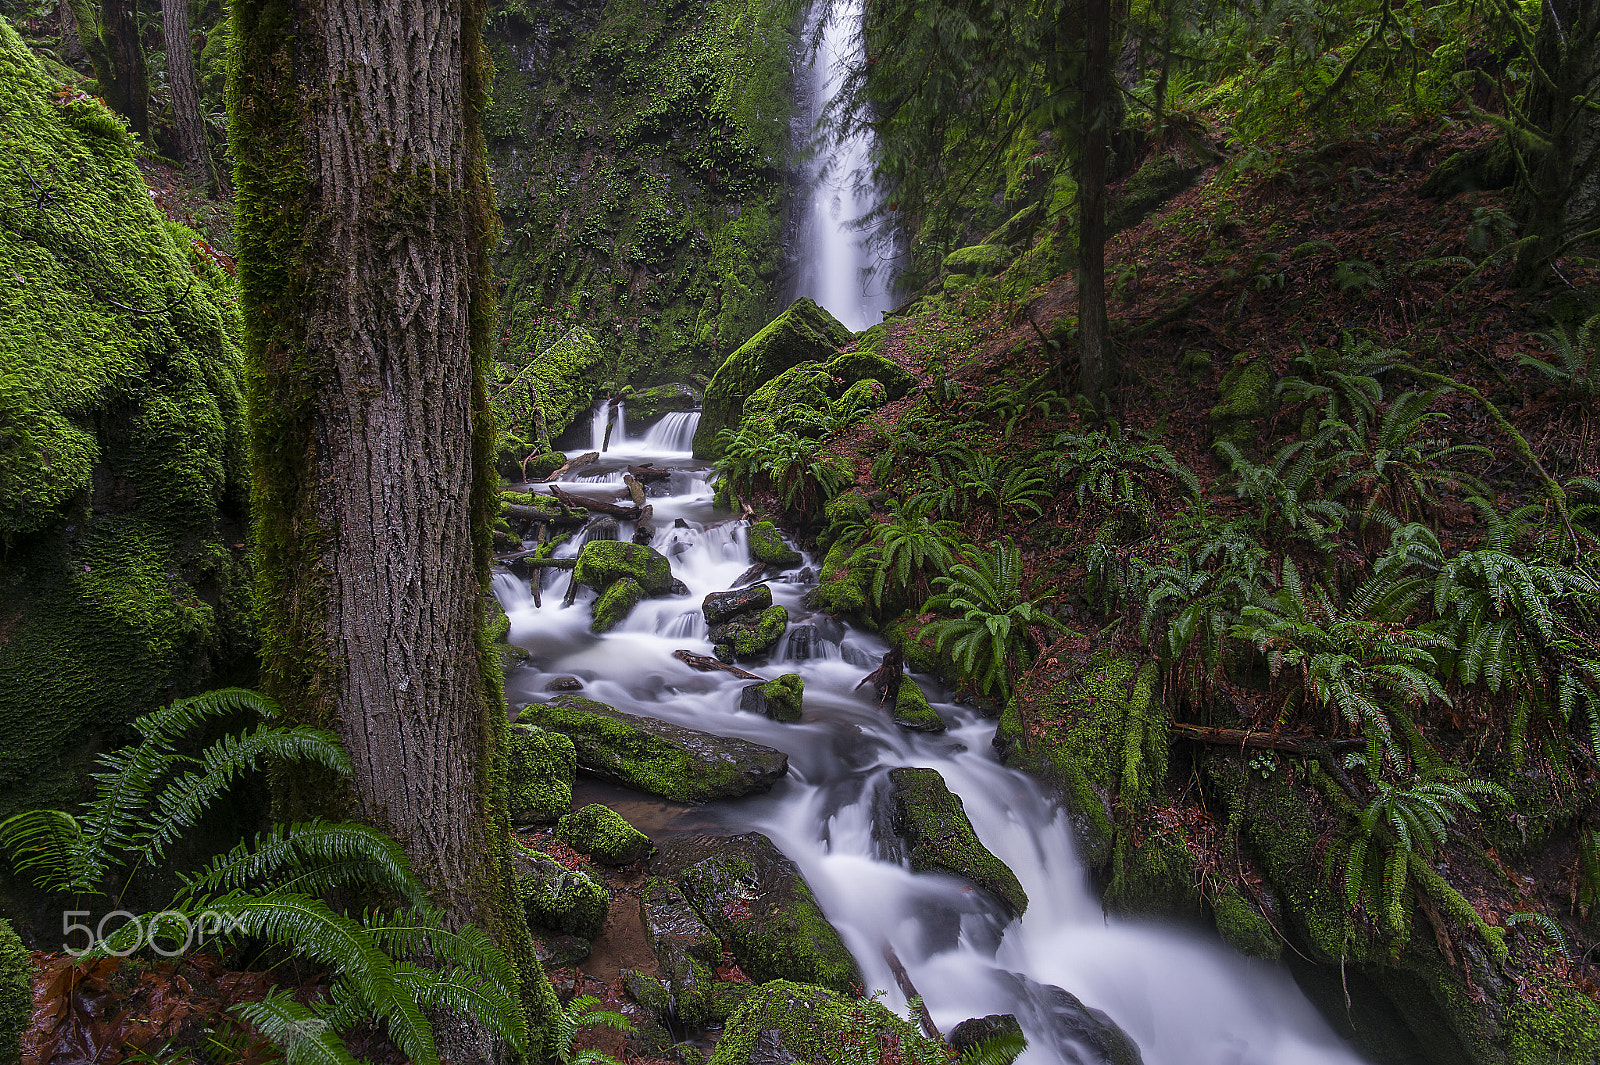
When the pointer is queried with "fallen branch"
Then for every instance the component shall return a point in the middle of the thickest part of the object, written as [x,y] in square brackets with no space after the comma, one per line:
[705,664]
[1233,737]
[534,514]
[588,458]
[595,506]
[909,990]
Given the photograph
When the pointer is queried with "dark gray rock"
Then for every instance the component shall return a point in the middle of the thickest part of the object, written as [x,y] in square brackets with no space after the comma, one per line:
[563,684]
[604,527]
[970,1033]
[721,606]
[687,952]
[559,951]
[1080,1034]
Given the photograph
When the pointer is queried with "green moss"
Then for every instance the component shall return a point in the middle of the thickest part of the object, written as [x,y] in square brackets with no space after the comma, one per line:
[871,341]
[564,900]
[750,637]
[687,952]
[563,375]
[911,709]
[1152,185]
[1155,875]
[795,401]
[603,561]
[852,368]
[604,835]
[123,477]
[648,404]
[1243,927]
[803,333]
[806,1023]
[725,1000]
[933,821]
[498,626]
[616,603]
[540,771]
[1246,394]
[541,466]
[978,259]
[16,994]
[766,545]
[779,698]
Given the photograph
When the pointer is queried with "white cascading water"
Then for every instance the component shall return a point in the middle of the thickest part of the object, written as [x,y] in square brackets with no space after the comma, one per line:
[607,414]
[1182,996]
[835,265]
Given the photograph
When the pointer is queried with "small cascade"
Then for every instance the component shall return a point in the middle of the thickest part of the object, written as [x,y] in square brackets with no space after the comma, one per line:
[607,414]
[511,593]
[673,434]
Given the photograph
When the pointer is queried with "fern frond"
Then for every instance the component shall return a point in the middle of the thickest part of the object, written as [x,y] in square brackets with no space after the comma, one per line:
[313,858]
[48,847]
[305,1035]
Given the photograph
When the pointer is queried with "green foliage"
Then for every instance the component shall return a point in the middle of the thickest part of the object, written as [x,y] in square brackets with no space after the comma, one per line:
[993,624]
[912,547]
[1571,366]
[796,470]
[16,994]
[1113,468]
[584,1012]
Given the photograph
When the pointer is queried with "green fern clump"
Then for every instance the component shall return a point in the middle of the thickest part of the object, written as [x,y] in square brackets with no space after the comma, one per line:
[992,633]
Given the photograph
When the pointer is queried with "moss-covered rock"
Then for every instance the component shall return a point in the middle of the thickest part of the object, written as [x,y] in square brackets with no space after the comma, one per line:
[564,900]
[778,699]
[563,377]
[540,768]
[796,401]
[939,837]
[718,607]
[16,994]
[1492,165]
[648,404]
[1246,394]
[1155,875]
[759,905]
[1244,927]
[749,636]
[604,835]
[911,709]
[726,998]
[978,259]
[603,561]
[766,545]
[1152,185]
[542,465]
[802,333]
[123,473]
[788,1022]
[687,952]
[616,603]
[656,756]
[851,368]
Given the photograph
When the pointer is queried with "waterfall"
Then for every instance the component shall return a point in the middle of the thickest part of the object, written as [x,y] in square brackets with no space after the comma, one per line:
[673,434]
[607,413]
[833,255]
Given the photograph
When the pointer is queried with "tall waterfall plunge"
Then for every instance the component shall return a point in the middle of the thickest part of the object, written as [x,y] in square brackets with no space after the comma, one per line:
[834,258]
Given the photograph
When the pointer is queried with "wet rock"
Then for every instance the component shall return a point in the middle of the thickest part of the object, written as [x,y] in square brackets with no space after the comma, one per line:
[604,527]
[778,699]
[558,951]
[766,545]
[658,757]
[805,576]
[780,1023]
[933,822]
[978,260]
[760,571]
[750,635]
[648,991]
[563,684]
[687,952]
[603,561]
[1080,1034]
[648,404]
[975,1031]
[830,629]
[678,587]
[679,523]
[911,710]
[803,644]
[643,534]
[604,835]
[540,766]
[720,606]
[541,466]
[561,899]
[616,603]
[759,905]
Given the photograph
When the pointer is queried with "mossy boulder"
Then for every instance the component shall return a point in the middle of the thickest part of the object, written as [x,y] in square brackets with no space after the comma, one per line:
[603,561]
[846,580]
[796,401]
[687,952]
[783,1021]
[1245,395]
[1111,740]
[604,835]
[766,545]
[939,837]
[655,756]
[616,603]
[1152,185]
[911,709]
[124,478]
[979,259]
[778,699]
[1244,927]
[540,768]
[802,333]
[16,994]
[561,899]
[542,465]
[759,905]
[648,404]
[718,607]
[748,636]
[1154,875]
[1488,166]
[851,368]
[563,377]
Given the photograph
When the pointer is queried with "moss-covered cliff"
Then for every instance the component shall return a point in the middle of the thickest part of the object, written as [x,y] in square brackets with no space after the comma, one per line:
[639,153]
[122,488]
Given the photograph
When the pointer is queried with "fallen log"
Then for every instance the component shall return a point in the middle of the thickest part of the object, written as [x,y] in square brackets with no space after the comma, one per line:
[527,561]
[705,664]
[534,514]
[751,575]
[647,474]
[1233,737]
[595,506]
[588,458]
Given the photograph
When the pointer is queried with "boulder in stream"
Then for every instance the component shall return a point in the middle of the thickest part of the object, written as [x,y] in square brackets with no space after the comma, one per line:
[563,900]
[780,1023]
[616,603]
[648,404]
[655,756]
[687,952]
[939,837]
[721,606]
[766,545]
[540,769]
[604,835]
[973,1032]
[911,709]
[778,699]
[603,561]
[747,636]
[1081,1035]
[757,902]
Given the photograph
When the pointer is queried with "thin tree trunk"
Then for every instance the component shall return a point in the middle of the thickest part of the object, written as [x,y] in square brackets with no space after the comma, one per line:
[72,50]
[128,93]
[1094,363]
[365,222]
[86,20]
[186,115]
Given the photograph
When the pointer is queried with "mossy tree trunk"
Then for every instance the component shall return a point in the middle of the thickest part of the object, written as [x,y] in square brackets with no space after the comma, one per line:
[187,120]
[364,225]
[1095,370]
[109,34]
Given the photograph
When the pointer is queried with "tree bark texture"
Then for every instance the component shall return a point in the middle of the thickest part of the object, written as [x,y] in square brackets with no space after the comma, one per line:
[187,119]
[1094,363]
[364,225]
[128,92]
[86,22]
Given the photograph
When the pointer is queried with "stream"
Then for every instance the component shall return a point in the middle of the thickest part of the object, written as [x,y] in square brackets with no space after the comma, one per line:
[1183,997]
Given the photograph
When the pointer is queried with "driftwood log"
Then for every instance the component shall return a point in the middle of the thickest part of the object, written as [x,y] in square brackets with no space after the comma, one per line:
[705,664]
[649,474]
[588,458]
[886,678]
[595,506]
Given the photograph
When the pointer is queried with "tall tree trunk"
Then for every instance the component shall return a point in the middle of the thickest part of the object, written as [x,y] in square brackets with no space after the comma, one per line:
[86,18]
[128,92]
[1096,367]
[364,226]
[72,50]
[186,115]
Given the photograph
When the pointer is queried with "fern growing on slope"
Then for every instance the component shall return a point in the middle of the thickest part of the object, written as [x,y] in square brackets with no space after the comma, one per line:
[991,629]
